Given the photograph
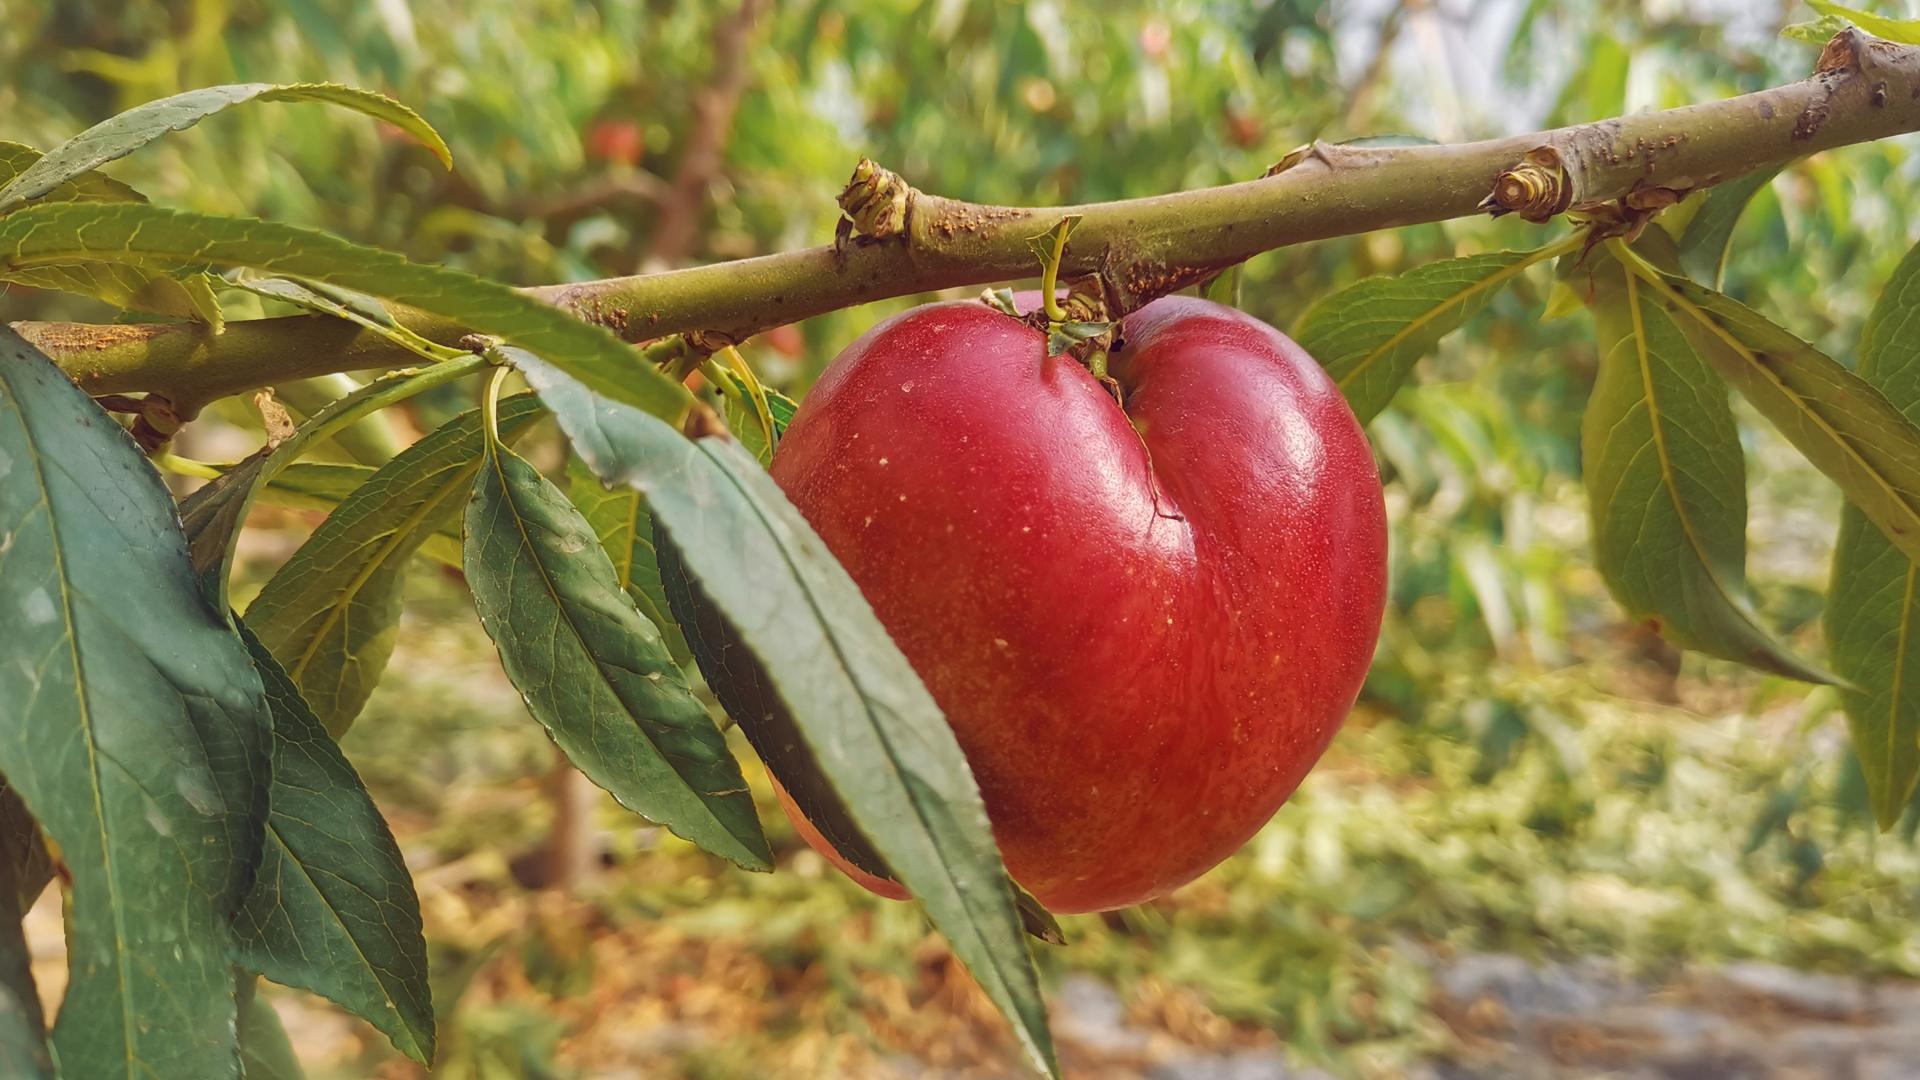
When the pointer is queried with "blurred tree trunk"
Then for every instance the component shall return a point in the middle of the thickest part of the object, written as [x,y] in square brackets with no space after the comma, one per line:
[682,211]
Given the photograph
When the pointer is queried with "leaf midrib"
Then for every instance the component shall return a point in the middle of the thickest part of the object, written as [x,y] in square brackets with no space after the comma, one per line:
[1667,474]
[1740,349]
[493,461]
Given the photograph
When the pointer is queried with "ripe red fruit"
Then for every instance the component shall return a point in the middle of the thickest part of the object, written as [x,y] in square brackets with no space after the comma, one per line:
[618,141]
[1144,625]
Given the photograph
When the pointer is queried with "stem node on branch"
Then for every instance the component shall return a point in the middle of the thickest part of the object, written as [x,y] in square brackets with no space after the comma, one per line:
[1539,188]
[877,201]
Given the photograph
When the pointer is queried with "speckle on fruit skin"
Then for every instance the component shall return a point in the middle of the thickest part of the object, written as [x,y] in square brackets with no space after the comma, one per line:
[1142,638]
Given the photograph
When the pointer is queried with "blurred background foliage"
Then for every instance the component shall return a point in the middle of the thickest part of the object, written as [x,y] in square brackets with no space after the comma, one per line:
[1525,773]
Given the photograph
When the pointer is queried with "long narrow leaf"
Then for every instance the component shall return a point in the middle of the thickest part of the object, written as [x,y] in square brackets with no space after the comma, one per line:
[149,236]
[333,910]
[331,612]
[593,670]
[118,136]
[1873,603]
[872,726]
[134,728]
[1666,481]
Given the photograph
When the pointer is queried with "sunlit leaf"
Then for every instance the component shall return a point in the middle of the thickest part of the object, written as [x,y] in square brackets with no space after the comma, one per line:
[1873,603]
[118,136]
[1369,334]
[357,308]
[619,518]
[1841,423]
[1666,482]
[1904,31]
[134,729]
[184,291]
[842,683]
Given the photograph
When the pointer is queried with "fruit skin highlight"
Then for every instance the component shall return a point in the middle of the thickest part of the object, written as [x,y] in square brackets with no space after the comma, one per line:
[1144,626]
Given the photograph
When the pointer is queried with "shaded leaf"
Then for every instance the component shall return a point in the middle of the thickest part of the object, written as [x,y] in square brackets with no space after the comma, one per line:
[146,235]
[1224,287]
[593,670]
[1709,232]
[265,1051]
[333,910]
[856,701]
[214,514]
[1369,334]
[1873,602]
[118,136]
[134,730]
[1036,920]
[1666,483]
[23,873]
[619,518]
[329,615]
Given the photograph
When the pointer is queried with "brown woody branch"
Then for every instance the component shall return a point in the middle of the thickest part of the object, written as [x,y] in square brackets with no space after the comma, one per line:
[1864,89]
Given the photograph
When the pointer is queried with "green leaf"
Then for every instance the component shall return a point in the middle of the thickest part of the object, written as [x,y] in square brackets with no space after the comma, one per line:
[184,291]
[1368,335]
[873,728]
[354,307]
[619,518]
[1904,31]
[333,910]
[1840,422]
[134,729]
[1709,232]
[265,1051]
[118,136]
[1224,287]
[16,158]
[1036,920]
[783,408]
[744,404]
[593,670]
[1873,602]
[214,515]
[24,870]
[330,614]
[1064,336]
[1666,480]
[142,235]
[1815,32]
[1047,246]
[323,485]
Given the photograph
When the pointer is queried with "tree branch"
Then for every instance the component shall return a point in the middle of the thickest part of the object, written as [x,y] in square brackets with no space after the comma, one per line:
[1863,89]
[686,201]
